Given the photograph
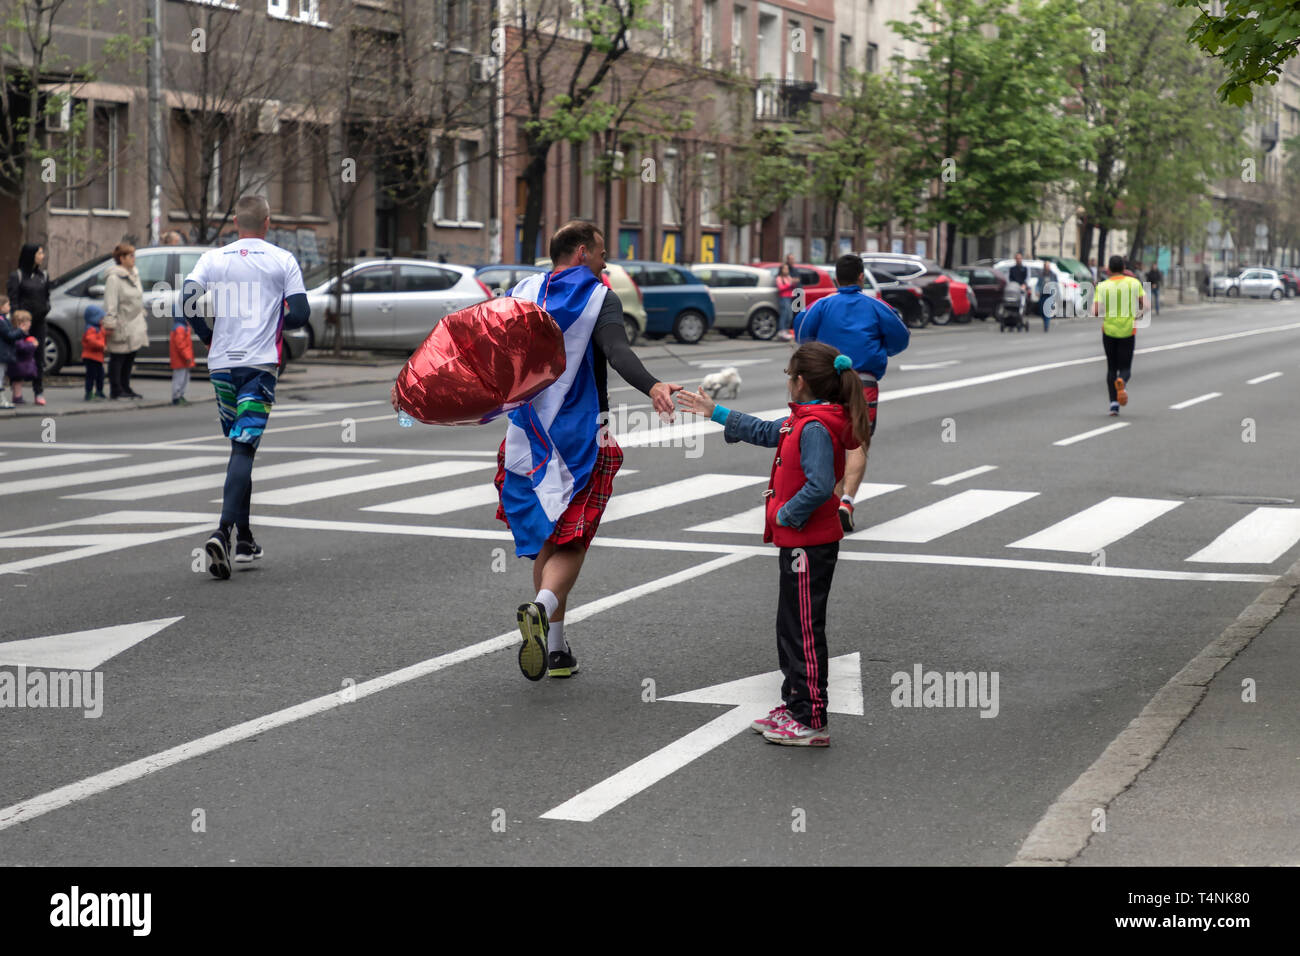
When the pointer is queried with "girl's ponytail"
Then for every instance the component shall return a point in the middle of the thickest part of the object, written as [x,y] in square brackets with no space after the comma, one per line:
[854,402]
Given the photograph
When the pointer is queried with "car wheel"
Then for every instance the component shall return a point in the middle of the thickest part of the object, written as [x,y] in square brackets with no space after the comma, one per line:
[1233,292]
[964,318]
[942,318]
[630,326]
[689,327]
[655,336]
[923,315]
[763,325]
[1276,294]
[56,351]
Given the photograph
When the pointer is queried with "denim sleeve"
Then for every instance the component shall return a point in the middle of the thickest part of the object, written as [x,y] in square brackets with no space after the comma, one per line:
[817,457]
[737,426]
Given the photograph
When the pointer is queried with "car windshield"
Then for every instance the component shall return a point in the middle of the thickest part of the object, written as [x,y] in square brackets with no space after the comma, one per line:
[73,273]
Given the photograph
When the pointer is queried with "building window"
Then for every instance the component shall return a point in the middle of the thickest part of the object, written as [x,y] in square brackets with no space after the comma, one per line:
[846,61]
[668,25]
[709,190]
[708,20]
[738,38]
[819,57]
[790,55]
[454,199]
[668,188]
[631,209]
[214,175]
[302,11]
[873,56]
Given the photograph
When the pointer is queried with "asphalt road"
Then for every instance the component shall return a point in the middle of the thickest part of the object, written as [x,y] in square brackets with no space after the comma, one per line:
[458,761]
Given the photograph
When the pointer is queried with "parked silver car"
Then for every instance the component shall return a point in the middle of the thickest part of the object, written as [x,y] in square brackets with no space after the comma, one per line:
[744,299]
[162,272]
[389,303]
[1259,283]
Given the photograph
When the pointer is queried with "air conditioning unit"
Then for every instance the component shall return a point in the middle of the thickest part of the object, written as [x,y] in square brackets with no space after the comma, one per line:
[485,69]
[268,117]
[59,122]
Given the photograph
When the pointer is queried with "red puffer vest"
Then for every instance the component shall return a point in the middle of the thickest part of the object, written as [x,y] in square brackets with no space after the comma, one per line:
[788,476]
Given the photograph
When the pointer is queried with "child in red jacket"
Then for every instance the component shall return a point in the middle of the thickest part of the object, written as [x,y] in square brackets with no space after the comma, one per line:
[92,352]
[182,356]
[828,416]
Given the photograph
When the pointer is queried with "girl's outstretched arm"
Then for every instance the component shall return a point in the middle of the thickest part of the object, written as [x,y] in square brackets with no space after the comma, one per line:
[737,426]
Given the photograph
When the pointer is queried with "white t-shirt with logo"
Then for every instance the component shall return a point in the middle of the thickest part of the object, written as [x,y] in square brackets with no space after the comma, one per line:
[249,279]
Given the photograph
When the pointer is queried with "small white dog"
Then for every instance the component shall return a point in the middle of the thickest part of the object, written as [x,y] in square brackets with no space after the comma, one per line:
[715,382]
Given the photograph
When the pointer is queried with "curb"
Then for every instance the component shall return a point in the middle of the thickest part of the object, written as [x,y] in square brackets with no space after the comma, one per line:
[1066,828]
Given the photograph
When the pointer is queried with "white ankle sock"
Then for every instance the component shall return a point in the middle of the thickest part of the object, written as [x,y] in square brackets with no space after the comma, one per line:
[548,600]
[848,499]
[555,637]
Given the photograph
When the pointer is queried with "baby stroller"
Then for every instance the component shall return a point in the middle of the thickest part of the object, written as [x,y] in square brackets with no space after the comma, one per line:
[1011,311]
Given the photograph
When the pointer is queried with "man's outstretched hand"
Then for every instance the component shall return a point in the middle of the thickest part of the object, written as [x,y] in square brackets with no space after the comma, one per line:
[662,396]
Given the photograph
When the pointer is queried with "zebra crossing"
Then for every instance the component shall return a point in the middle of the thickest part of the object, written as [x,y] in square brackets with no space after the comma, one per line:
[1261,536]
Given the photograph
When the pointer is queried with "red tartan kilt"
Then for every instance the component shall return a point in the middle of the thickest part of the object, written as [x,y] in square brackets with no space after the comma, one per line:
[582,517]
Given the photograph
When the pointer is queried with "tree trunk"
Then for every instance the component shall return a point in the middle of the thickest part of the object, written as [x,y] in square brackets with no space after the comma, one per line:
[535,181]
[1085,239]
[949,243]
[1103,233]
[832,237]
[1138,242]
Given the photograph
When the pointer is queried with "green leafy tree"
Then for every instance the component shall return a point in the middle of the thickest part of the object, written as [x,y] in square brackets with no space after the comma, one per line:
[1253,38]
[1146,95]
[983,110]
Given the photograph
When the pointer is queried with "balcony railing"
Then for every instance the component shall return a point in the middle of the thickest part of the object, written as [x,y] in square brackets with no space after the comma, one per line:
[781,99]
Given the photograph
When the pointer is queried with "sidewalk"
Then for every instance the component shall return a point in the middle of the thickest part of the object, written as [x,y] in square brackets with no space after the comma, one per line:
[65,394]
[1225,790]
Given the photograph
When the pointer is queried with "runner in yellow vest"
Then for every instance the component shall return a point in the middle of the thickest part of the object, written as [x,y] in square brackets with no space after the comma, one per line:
[1119,301]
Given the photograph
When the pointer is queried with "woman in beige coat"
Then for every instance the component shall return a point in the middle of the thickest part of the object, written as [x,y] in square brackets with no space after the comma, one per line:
[126,331]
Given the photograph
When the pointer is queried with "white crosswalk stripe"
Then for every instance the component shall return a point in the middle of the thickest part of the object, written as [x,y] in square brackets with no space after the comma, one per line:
[1261,537]
[1102,524]
[358,484]
[458,499]
[944,517]
[122,473]
[675,493]
[179,486]
[52,461]
[751,520]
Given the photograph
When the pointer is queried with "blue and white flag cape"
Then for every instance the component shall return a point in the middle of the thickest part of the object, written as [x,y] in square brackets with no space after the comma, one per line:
[551,442]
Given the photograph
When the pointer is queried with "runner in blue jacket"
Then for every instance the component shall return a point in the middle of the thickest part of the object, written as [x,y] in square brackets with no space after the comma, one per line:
[868,331]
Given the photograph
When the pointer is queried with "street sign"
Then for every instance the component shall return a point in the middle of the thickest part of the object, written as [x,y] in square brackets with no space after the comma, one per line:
[749,699]
[79,650]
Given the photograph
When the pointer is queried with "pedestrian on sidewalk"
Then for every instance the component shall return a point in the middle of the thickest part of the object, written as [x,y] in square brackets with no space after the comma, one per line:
[1154,278]
[828,417]
[124,321]
[556,465]
[1119,301]
[29,290]
[9,337]
[251,280]
[868,331]
[785,283]
[181,350]
[92,352]
[23,366]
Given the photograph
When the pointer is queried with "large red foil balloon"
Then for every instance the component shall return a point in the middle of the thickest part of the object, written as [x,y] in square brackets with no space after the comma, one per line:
[480,362]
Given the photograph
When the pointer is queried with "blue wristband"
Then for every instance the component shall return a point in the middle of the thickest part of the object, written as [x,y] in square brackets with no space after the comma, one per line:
[720,413]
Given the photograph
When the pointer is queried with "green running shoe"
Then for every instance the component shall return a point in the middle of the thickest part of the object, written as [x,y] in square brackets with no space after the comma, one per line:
[533,628]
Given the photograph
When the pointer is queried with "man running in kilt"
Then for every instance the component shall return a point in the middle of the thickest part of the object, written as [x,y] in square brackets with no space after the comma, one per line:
[556,466]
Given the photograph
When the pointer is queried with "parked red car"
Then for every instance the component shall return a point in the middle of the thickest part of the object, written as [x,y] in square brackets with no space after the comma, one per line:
[816,281]
[963,299]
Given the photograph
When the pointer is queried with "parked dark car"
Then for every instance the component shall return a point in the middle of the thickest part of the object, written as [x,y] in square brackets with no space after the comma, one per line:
[676,300]
[923,272]
[986,286]
[904,296]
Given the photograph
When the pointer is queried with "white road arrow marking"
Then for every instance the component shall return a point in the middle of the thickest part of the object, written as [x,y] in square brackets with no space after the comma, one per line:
[80,650]
[749,697]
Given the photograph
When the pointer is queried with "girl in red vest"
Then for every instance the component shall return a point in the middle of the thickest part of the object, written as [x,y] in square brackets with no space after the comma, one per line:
[828,416]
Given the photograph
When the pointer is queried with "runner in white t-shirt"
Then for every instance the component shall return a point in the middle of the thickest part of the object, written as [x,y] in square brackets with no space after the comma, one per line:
[250,282]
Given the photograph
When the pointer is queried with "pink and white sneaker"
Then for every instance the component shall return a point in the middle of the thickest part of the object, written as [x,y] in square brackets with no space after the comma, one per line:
[791,733]
[775,717]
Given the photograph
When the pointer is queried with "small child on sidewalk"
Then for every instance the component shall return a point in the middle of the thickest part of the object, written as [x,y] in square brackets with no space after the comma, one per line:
[9,337]
[182,358]
[828,416]
[92,352]
[22,369]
